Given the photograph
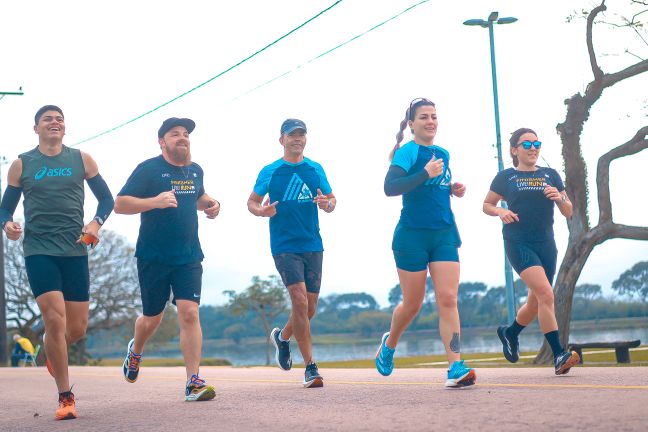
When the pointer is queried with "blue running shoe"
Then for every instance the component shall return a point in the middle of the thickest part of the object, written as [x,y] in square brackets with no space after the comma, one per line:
[460,376]
[510,346]
[312,378]
[385,357]
[282,350]
[131,363]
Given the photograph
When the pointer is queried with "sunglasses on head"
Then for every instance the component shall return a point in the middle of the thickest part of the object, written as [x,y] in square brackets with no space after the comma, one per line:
[526,145]
[423,101]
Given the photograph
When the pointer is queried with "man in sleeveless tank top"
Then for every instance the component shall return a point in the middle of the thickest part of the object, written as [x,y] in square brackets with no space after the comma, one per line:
[51,179]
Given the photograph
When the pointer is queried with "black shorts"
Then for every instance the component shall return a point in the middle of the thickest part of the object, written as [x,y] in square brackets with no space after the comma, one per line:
[523,255]
[157,281]
[301,267]
[59,273]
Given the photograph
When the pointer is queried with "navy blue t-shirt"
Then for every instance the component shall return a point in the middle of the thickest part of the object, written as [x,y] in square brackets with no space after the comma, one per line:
[428,205]
[523,193]
[170,235]
[295,227]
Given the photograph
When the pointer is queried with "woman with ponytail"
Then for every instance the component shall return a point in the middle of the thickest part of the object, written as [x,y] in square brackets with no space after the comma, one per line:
[425,239]
[530,192]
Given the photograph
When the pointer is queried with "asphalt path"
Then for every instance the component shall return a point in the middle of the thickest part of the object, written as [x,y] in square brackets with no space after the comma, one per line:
[268,399]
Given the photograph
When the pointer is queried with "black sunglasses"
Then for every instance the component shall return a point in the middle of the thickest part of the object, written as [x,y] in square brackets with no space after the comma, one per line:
[527,144]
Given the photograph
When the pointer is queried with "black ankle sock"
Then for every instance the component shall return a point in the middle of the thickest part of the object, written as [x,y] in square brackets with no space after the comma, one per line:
[514,329]
[554,342]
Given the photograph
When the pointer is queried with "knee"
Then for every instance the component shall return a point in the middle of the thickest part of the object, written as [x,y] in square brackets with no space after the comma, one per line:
[54,322]
[545,296]
[312,309]
[411,309]
[150,321]
[75,333]
[447,301]
[189,317]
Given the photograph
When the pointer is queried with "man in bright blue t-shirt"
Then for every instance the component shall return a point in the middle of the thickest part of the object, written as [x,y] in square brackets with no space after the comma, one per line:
[168,191]
[296,186]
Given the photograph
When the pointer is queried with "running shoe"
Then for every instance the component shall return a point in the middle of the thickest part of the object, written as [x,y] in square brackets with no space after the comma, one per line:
[510,346]
[565,361]
[460,376]
[66,409]
[282,350]
[385,357]
[48,365]
[312,378]
[198,390]
[131,363]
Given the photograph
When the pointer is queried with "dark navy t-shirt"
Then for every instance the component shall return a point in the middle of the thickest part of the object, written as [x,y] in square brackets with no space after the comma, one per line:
[295,227]
[523,192]
[428,205]
[170,235]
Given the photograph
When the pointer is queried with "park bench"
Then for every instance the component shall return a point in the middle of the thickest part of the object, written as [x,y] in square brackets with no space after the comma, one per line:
[621,348]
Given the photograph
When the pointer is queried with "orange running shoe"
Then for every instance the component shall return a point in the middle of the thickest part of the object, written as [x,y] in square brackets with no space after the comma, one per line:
[66,409]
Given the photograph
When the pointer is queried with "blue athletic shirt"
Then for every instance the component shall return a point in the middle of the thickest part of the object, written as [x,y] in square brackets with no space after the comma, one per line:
[428,205]
[295,227]
[169,235]
[523,192]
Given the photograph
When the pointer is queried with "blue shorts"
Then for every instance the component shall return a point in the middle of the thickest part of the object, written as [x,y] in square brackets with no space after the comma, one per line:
[415,248]
[523,255]
[157,281]
[301,267]
[59,273]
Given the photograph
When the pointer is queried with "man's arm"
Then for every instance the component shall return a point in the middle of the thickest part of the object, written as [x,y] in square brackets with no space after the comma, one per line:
[257,209]
[10,201]
[125,204]
[209,205]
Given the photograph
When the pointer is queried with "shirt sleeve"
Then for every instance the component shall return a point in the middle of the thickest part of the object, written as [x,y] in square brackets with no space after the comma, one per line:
[136,185]
[405,157]
[263,181]
[556,180]
[325,187]
[498,185]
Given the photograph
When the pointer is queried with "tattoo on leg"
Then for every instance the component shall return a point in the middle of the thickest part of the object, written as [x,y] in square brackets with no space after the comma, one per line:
[455,345]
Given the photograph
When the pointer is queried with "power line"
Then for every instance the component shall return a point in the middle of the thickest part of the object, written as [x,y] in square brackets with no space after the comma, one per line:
[330,50]
[210,79]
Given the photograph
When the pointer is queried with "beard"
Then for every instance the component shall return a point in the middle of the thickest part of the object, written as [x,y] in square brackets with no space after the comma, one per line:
[180,155]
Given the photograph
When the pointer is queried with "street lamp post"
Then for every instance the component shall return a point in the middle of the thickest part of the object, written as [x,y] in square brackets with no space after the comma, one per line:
[3,303]
[489,23]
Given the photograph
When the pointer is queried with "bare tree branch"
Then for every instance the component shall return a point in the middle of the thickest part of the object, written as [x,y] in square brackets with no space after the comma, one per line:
[610,79]
[635,145]
[596,70]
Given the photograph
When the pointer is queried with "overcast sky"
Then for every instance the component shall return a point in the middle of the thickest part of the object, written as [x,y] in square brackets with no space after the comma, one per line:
[107,63]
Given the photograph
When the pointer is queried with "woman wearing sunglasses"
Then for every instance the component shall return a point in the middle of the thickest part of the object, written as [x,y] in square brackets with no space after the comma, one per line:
[531,192]
[425,239]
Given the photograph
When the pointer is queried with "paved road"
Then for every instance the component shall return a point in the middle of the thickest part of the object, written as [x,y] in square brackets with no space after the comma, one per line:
[268,399]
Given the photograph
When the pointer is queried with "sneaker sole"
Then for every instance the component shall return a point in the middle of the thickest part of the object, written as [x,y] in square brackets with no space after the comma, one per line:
[208,394]
[274,342]
[573,361]
[500,334]
[317,382]
[465,381]
[68,416]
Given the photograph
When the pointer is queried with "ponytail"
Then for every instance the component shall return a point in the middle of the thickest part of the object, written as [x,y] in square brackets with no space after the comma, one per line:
[399,135]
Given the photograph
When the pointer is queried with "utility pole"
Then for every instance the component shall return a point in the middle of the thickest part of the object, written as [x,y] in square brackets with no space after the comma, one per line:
[4,348]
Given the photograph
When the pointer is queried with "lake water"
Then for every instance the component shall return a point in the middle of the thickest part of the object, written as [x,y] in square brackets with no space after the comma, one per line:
[530,340]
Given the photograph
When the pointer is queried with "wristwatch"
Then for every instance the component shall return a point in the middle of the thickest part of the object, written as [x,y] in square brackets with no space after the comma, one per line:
[99,220]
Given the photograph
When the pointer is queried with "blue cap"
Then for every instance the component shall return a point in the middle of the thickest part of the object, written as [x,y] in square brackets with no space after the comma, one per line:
[291,125]
[172,122]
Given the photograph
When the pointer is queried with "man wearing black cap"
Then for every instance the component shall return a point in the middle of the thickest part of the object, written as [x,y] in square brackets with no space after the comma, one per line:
[296,187]
[168,191]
